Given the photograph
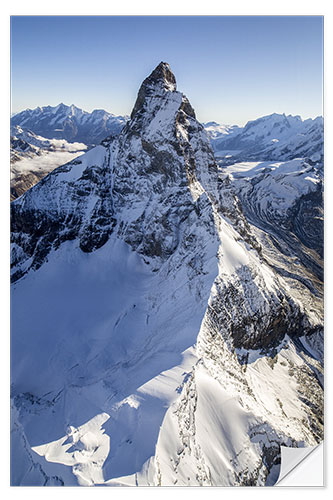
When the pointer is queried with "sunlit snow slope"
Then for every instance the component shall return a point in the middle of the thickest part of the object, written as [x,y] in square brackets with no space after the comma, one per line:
[153,343]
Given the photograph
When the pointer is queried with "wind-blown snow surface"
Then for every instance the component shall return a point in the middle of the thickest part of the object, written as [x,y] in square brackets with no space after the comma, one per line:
[152,344]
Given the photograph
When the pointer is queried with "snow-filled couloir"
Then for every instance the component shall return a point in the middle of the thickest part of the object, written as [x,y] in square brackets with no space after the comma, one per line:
[153,341]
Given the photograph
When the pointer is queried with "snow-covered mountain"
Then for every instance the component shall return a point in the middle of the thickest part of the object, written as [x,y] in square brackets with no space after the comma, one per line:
[32,157]
[70,123]
[216,131]
[270,138]
[156,337]
[23,140]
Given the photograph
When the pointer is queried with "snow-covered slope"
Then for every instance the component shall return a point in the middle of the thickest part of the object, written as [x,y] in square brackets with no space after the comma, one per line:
[152,341]
[272,137]
[70,123]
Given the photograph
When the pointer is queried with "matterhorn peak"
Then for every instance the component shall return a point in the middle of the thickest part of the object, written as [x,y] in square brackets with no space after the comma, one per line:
[160,80]
[176,318]
[162,73]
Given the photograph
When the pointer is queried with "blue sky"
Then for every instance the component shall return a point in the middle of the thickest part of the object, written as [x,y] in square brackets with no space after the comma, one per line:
[232,68]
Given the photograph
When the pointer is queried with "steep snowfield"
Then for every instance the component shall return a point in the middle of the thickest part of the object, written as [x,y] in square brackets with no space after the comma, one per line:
[125,333]
[152,341]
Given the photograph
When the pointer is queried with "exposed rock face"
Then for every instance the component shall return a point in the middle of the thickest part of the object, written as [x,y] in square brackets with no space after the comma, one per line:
[155,165]
[170,316]
[161,78]
[24,182]
[47,216]
[18,144]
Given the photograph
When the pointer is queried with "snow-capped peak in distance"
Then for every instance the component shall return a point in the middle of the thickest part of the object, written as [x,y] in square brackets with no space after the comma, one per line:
[275,120]
[70,123]
[269,138]
[216,130]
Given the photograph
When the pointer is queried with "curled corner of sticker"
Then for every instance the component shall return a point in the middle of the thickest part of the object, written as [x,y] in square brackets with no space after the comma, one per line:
[302,466]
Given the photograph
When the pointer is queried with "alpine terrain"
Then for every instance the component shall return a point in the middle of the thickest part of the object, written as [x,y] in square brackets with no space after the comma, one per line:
[47,137]
[32,157]
[272,137]
[167,323]
[70,123]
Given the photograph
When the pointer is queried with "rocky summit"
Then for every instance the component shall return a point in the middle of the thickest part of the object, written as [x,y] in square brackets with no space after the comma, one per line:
[159,335]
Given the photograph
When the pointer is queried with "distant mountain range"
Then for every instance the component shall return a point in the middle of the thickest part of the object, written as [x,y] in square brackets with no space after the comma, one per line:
[69,129]
[70,123]
[272,137]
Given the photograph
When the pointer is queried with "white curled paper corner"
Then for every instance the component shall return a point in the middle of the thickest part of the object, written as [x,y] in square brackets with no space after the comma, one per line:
[302,466]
